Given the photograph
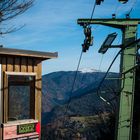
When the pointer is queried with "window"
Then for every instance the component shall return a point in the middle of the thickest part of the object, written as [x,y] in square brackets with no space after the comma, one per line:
[21,97]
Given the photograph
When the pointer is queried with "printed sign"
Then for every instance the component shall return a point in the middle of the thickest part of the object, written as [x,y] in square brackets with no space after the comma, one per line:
[26,128]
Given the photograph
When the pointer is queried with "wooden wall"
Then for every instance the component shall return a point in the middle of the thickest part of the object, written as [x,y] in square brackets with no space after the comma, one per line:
[21,64]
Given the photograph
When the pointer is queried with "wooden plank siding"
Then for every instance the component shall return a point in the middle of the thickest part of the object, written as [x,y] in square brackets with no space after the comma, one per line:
[29,65]
[4,87]
[1,114]
[17,64]
[24,64]
[38,71]
[21,64]
[4,63]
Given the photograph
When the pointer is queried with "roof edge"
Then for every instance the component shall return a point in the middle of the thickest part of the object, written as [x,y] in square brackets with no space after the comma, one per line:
[28,53]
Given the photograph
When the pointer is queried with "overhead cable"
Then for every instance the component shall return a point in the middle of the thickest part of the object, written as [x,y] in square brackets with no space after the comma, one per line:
[74,81]
[100,84]
[73,84]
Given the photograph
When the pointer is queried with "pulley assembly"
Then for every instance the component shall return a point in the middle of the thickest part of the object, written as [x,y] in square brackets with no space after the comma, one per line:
[88,38]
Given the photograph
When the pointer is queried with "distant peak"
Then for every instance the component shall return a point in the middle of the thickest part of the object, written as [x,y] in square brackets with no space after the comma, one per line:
[88,70]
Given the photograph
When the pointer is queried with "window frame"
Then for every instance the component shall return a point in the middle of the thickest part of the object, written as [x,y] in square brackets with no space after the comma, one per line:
[6,95]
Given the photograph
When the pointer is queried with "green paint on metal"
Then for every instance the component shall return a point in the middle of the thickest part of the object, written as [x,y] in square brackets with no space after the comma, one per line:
[128,85]
[129,31]
[116,23]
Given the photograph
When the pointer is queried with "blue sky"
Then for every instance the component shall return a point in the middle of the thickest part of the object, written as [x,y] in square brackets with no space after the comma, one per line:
[51,26]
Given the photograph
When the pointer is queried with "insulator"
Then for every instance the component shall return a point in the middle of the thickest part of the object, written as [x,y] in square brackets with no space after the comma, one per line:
[123,1]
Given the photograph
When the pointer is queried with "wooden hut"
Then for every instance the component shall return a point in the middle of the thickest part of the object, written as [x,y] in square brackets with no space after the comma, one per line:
[20,94]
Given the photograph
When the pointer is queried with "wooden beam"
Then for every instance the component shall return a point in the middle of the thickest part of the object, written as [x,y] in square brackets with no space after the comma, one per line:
[5,88]
[38,92]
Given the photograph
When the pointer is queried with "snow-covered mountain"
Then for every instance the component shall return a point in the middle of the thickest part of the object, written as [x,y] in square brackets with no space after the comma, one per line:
[88,70]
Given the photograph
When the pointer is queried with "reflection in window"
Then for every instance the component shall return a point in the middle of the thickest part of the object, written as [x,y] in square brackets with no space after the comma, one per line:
[19,102]
[21,92]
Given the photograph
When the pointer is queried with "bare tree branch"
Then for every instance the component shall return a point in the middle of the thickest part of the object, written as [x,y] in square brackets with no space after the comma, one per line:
[12,8]
[11,29]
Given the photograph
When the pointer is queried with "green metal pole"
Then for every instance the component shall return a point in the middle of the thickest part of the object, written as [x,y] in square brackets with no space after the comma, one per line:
[128,61]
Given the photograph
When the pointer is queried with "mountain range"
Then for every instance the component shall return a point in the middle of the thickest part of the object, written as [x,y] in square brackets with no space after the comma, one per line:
[59,98]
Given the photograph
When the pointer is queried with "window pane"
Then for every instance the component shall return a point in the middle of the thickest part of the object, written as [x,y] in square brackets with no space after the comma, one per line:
[20,95]
[19,102]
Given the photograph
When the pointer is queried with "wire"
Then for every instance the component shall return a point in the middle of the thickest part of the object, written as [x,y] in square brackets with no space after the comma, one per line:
[93,10]
[124,47]
[73,84]
[109,87]
[71,91]
[117,7]
[100,62]
[74,81]
[131,9]
[100,84]
[112,90]
[96,76]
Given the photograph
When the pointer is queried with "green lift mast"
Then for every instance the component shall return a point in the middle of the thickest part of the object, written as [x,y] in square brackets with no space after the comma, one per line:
[128,62]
